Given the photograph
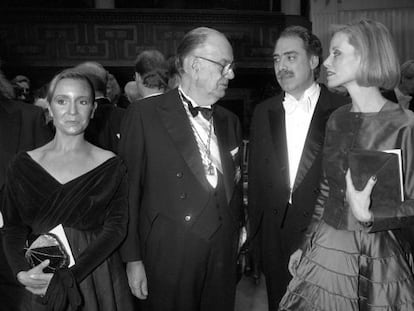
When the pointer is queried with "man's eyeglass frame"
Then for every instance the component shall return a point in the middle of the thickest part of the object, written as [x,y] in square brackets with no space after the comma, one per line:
[225,69]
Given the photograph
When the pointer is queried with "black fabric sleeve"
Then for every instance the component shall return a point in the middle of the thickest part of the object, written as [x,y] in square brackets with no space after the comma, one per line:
[14,232]
[110,236]
[403,216]
[132,151]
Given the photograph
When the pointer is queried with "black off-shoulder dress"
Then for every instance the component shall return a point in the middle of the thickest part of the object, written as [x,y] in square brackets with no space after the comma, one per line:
[93,211]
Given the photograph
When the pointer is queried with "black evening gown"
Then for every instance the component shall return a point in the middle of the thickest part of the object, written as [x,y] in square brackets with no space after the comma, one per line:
[93,211]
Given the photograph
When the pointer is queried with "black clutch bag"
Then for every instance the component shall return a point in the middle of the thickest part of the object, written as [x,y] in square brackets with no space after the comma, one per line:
[47,246]
[388,192]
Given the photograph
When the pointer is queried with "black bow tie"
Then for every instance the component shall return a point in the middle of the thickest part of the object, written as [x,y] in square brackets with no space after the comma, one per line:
[207,113]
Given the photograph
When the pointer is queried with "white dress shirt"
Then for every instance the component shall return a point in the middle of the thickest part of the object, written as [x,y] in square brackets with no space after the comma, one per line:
[202,129]
[298,115]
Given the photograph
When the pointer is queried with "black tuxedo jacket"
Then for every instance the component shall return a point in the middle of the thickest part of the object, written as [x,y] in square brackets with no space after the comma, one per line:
[22,127]
[165,172]
[277,227]
[105,127]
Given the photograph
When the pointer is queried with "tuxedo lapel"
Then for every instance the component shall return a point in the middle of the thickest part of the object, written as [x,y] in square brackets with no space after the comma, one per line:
[175,120]
[221,131]
[314,139]
[277,125]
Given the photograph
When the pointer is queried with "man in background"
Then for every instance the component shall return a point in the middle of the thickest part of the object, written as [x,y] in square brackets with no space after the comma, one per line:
[104,128]
[22,128]
[151,73]
[403,94]
[131,94]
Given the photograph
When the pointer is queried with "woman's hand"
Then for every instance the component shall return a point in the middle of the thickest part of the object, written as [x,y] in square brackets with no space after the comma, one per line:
[34,280]
[359,201]
[294,261]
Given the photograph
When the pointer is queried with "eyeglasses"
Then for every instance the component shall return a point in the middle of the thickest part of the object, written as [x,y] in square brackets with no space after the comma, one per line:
[225,69]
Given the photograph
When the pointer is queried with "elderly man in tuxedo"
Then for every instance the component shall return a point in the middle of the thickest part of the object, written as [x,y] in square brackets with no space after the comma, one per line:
[22,127]
[182,155]
[287,134]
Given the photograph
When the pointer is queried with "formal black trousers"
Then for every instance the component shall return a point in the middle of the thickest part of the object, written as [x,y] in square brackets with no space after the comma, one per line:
[188,273]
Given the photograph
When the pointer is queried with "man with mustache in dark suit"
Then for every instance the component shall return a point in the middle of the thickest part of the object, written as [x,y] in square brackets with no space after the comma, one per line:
[182,155]
[287,134]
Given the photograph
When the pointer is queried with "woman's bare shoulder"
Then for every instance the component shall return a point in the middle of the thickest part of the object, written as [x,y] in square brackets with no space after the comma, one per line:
[101,155]
[40,152]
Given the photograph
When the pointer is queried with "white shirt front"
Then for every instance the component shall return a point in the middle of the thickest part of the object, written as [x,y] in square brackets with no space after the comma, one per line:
[206,139]
[298,116]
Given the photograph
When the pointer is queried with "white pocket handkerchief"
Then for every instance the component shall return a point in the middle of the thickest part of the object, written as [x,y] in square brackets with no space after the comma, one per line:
[234,151]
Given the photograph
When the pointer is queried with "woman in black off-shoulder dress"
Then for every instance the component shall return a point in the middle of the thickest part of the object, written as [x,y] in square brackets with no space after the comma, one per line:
[74,183]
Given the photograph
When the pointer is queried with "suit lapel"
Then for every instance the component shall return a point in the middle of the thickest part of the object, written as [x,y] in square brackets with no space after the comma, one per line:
[277,126]
[175,120]
[314,139]
[221,131]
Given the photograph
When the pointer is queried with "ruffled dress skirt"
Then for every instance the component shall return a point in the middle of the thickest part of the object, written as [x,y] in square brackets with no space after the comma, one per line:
[351,270]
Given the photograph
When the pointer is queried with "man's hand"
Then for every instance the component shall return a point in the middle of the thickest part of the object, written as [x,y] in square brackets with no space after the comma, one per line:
[34,280]
[294,261]
[359,201]
[137,279]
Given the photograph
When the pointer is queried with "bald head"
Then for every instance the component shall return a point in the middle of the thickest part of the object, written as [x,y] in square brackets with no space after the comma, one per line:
[131,91]
[97,74]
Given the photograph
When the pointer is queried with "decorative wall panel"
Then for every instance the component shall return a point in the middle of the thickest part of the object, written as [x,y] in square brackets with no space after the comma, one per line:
[114,37]
[39,43]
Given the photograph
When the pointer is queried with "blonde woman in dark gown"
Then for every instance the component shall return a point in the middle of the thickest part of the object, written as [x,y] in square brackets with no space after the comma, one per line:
[354,257]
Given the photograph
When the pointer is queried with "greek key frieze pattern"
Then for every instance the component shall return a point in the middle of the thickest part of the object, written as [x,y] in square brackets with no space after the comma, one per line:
[115,38]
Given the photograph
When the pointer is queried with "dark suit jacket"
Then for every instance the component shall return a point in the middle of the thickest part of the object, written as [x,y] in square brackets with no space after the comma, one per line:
[105,127]
[22,127]
[166,175]
[277,226]
[390,95]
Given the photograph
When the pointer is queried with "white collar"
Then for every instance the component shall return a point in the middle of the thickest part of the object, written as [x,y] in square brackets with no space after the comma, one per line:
[153,94]
[307,101]
[193,102]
